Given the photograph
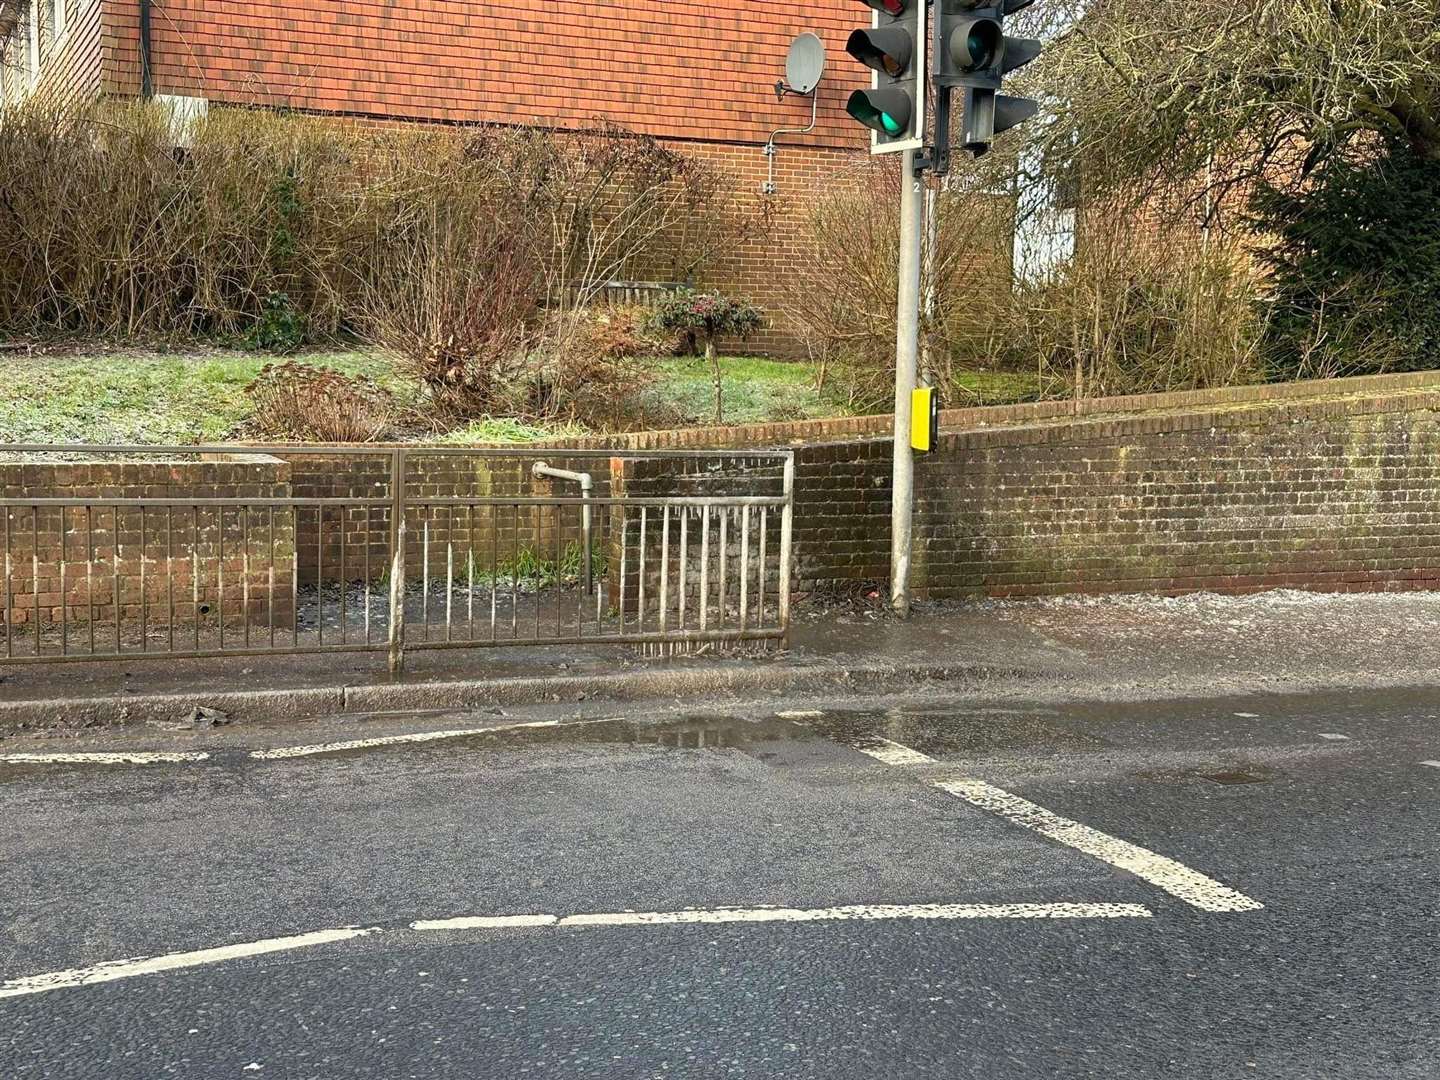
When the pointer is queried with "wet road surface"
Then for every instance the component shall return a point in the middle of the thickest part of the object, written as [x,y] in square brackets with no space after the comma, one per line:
[918,934]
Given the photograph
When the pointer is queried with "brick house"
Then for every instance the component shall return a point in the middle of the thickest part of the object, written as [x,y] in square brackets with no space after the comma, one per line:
[701,75]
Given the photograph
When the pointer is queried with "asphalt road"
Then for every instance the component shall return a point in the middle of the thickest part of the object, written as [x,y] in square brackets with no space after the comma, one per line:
[902,953]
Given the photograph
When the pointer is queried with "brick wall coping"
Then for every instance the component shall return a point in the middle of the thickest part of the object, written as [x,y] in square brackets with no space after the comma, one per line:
[1407,387]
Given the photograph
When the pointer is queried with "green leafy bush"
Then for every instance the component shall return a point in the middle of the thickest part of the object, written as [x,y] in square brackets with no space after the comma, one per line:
[1355,266]
[280,329]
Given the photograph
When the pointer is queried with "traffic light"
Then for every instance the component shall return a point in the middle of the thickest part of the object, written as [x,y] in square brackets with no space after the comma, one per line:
[894,48]
[974,53]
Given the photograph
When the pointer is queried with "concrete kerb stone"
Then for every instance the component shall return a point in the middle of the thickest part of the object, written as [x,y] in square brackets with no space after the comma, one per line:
[315,702]
[123,710]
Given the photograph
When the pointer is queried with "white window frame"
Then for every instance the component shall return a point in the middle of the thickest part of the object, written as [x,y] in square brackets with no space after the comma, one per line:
[59,23]
[32,41]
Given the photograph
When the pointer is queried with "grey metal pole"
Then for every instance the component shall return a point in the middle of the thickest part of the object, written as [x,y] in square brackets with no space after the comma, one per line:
[907,354]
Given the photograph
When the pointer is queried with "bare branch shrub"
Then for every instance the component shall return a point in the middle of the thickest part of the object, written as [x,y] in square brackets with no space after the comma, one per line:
[841,298]
[296,401]
[1135,313]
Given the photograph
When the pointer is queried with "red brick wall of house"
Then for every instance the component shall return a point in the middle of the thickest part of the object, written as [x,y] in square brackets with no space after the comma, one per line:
[706,71]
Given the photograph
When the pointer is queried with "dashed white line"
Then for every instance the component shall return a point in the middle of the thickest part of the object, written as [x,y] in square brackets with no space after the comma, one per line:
[155,965]
[851,912]
[1334,737]
[800,714]
[486,922]
[283,752]
[97,758]
[1431,764]
[892,753]
[863,912]
[1173,877]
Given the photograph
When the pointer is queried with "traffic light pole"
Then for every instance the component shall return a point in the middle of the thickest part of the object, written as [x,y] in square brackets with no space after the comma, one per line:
[907,358]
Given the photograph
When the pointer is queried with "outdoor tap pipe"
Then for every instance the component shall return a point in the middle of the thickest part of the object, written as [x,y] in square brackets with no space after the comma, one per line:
[587,488]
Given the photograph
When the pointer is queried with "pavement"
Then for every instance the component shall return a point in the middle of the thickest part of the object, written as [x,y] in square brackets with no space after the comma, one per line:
[1220,885]
[1110,648]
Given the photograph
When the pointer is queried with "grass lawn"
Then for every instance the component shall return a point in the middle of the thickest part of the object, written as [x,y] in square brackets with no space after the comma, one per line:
[138,397]
[756,390]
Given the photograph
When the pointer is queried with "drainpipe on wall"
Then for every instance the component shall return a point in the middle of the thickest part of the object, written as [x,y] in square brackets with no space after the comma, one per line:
[147,83]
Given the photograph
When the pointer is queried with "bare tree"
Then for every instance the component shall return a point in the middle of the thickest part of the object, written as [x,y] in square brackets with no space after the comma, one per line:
[1210,94]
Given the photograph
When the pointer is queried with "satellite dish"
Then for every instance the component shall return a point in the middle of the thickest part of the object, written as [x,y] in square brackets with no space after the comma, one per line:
[805,65]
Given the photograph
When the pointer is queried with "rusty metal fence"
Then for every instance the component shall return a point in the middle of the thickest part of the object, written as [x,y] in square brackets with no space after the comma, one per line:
[122,552]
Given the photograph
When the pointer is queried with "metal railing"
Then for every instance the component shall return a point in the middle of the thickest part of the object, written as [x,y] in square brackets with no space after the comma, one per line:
[122,552]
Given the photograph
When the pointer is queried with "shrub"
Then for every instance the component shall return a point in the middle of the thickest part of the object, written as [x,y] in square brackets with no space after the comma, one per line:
[841,297]
[277,228]
[1133,313]
[624,331]
[1129,313]
[706,316]
[1355,266]
[295,401]
[280,329]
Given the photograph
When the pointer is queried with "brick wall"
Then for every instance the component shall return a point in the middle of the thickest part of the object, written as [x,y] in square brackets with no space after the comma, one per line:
[1330,485]
[453,537]
[683,69]
[73,563]
[1336,494]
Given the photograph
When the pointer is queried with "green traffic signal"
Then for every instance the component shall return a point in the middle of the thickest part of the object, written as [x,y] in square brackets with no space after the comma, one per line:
[886,111]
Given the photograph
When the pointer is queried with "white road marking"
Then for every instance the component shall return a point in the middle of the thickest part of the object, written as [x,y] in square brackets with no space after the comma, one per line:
[892,753]
[1175,878]
[800,714]
[1432,764]
[1335,738]
[415,737]
[867,912]
[861,912]
[486,922]
[154,965]
[97,758]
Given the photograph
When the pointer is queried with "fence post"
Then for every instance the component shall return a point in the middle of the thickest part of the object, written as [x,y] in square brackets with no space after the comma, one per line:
[397,563]
[787,525]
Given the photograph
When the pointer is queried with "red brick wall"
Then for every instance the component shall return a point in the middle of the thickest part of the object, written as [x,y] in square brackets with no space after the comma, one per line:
[703,81]
[72,563]
[1328,493]
[704,70]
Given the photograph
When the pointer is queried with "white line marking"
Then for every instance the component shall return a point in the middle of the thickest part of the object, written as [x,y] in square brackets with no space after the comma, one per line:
[800,714]
[1175,878]
[80,758]
[892,753]
[415,737]
[862,912]
[154,965]
[486,922]
[867,912]
[1335,738]
[1432,764]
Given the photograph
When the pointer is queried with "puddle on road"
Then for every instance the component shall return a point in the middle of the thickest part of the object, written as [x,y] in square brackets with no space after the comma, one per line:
[690,733]
[949,733]
[1230,775]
